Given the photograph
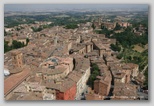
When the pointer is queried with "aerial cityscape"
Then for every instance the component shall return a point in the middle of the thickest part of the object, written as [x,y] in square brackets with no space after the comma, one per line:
[76,52]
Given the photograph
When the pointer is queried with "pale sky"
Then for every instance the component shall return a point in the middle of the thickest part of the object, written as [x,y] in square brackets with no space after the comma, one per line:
[34,7]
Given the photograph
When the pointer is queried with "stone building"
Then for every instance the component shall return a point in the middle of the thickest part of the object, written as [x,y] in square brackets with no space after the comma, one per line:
[134,69]
[102,84]
[120,77]
[55,68]
[65,89]
[97,24]
[17,58]
[22,39]
[14,81]
[124,92]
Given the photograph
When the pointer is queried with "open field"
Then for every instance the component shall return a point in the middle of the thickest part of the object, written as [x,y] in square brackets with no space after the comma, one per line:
[139,48]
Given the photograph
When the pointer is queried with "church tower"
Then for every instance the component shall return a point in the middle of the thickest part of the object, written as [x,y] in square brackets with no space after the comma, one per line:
[17,58]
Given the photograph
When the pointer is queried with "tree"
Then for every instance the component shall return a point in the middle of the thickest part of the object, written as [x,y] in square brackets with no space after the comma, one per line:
[18,29]
[6,47]
[129,58]
[137,28]
[115,47]
[104,31]
[102,27]
[94,73]
[95,67]
[16,44]
[119,56]
[27,41]
[93,26]
[37,29]
[118,27]
[71,26]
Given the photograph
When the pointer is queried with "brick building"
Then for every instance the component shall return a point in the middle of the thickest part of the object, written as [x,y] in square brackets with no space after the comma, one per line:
[65,89]
[55,68]
[103,83]
[124,92]
[17,58]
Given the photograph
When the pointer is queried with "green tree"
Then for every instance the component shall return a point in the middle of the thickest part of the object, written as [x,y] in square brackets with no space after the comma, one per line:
[95,67]
[118,27]
[16,44]
[37,29]
[27,41]
[119,56]
[115,47]
[6,47]
[71,26]
[94,73]
[93,26]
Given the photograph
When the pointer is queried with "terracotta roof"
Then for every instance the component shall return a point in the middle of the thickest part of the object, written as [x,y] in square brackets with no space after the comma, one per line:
[109,58]
[15,52]
[119,75]
[14,80]
[75,76]
[104,82]
[93,97]
[21,37]
[14,70]
[20,89]
[29,96]
[126,66]
[81,64]
[77,47]
[132,65]
[57,70]
[93,53]
[99,44]
[62,86]
[121,89]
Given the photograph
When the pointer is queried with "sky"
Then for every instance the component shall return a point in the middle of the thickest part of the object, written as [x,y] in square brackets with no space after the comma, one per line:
[35,7]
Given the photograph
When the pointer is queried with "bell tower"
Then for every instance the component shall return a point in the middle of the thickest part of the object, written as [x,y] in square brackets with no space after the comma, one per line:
[17,58]
[99,20]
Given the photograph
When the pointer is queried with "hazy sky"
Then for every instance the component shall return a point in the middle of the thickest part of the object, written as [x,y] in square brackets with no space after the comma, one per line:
[34,7]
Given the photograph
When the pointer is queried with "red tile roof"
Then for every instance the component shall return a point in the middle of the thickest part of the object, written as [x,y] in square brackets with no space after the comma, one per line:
[14,80]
